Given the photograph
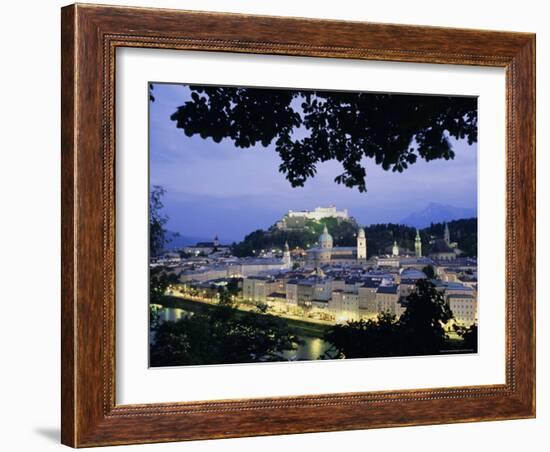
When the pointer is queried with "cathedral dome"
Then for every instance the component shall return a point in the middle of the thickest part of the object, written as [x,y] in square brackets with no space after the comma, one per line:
[325,239]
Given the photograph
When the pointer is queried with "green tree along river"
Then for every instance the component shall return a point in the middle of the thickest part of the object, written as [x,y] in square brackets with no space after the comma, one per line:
[311,344]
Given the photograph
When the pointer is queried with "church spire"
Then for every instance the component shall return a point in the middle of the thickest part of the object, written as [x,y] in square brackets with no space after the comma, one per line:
[395,249]
[418,245]
[287,260]
[447,234]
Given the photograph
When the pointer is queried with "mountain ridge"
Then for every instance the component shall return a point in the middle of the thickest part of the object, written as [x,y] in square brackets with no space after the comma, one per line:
[437,213]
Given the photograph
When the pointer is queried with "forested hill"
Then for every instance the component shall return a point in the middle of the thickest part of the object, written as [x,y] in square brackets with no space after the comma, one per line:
[343,233]
[380,237]
[463,232]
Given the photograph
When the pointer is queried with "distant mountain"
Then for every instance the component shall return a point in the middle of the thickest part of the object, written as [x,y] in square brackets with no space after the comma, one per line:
[437,213]
[177,241]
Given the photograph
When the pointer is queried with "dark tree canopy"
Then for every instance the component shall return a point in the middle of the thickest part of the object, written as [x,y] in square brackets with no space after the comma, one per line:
[424,319]
[221,335]
[469,336]
[366,338]
[419,330]
[309,127]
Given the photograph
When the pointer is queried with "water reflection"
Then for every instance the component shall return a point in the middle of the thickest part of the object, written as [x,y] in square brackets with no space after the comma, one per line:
[310,348]
[172,314]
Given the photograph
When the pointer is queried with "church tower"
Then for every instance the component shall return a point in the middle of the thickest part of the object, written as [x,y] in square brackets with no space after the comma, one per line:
[361,244]
[287,260]
[417,245]
[447,235]
[395,249]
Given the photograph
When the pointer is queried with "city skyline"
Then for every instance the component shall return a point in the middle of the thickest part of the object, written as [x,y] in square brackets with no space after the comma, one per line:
[217,189]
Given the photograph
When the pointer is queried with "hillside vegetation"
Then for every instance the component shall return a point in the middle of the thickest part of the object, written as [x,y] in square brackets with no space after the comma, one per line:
[380,237]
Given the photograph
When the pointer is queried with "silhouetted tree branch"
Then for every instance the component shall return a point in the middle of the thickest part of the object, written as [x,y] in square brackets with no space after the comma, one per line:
[308,127]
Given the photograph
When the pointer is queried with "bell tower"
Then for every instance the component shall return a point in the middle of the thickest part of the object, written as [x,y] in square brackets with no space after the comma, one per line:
[447,234]
[361,244]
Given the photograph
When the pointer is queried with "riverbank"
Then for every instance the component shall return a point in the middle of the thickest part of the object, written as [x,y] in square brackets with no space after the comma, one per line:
[299,327]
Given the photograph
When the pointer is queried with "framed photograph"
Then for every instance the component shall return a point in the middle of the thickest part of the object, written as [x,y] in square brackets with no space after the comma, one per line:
[282,225]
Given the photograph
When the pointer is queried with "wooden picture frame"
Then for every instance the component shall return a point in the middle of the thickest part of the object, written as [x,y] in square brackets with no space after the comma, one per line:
[90,36]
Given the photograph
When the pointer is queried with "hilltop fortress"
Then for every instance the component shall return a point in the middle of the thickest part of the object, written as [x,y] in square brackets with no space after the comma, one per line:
[297,219]
[326,253]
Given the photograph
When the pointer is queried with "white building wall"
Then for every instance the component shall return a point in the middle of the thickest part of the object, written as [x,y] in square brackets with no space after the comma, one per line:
[367,299]
[464,309]
[389,303]
[291,293]
[319,213]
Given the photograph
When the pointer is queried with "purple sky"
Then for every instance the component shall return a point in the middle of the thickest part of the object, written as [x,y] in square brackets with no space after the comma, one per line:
[219,189]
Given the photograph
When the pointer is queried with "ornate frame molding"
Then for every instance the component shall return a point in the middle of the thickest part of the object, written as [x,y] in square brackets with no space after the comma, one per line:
[90,36]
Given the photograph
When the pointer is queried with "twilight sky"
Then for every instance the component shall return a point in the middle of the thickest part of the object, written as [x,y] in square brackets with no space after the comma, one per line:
[220,189]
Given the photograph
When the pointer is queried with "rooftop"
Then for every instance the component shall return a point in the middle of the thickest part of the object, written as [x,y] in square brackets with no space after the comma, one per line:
[260,261]
[344,248]
[372,284]
[393,289]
